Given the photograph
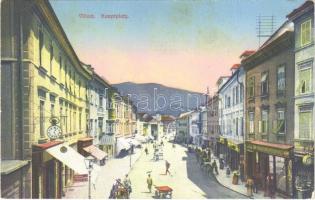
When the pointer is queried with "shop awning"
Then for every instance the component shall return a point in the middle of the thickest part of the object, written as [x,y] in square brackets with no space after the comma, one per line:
[122,143]
[69,157]
[134,142]
[95,152]
[107,140]
[281,150]
[140,138]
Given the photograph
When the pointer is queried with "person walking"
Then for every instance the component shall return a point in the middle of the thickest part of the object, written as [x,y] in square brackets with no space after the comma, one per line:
[146,151]
[215,167]
[167,167]
[149,182]
[127,184]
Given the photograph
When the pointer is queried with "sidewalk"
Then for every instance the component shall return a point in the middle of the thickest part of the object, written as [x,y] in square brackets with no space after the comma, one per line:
[113,169]
[240,188]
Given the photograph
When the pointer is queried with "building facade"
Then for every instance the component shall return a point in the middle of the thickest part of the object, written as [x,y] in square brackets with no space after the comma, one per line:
[182,128]
[213,121]
[195,128]
[231,94]
[49,88]
[269,113]
[304,128]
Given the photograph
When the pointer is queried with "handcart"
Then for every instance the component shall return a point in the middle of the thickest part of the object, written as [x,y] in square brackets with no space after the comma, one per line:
[163,192]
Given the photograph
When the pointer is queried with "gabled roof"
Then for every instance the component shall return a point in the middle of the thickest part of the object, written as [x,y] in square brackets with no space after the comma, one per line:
[186,114]
[144,117]
[305,7]
[235,66]
[247,53]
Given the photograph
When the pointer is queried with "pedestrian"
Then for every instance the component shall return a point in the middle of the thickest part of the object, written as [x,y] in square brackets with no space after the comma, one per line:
[146,151]
[167,166]
[149,182]
[249,185]
[127,184]
[215,167]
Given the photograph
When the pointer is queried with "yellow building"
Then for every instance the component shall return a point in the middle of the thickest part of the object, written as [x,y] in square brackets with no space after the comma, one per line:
[48,86]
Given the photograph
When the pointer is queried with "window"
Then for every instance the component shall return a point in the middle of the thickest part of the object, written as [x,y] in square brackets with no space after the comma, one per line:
[306,33]
[236,126]
[237,95]
[51,53]
[100,101]
[280,125]
[41,44]
[80,121]
[241,93]
[42,119]
[234,101]
[305,123]
[305,78]
[264,121]
[60,68]
[251,122]
[264,84]
[52,110]
[281,80]
[241,126]
[251,87]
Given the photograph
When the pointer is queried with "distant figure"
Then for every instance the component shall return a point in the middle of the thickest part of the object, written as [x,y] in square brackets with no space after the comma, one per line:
[127,183]
[215,167]
[162,144]
[146,151]
[149,182]
[249,185]
[167,166]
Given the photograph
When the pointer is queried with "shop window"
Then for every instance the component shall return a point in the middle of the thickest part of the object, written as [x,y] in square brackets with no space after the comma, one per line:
[305,33]
[281,80]
[264,84]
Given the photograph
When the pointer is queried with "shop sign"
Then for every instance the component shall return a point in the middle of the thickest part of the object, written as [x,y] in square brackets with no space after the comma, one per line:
[233,146]
[222,140]
[307,160]
[268,150]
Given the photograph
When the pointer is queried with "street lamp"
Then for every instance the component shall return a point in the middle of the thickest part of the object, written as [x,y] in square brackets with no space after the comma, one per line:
[130,152]
[88,161]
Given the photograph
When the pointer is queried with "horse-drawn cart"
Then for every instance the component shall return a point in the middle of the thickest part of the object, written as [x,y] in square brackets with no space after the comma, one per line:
[163,192]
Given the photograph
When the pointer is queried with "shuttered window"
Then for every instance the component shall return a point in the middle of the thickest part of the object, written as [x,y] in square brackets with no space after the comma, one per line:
[305,33]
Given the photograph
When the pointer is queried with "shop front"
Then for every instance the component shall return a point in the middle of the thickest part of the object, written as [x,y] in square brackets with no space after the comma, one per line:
[221,148]
[304,169]
[53,166]
[270,166]
[107,143]
[234,151]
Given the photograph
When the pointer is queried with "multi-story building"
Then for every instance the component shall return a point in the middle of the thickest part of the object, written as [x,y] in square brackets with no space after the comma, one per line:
[304,129]
[269,105]
[44,88]
[195,128]
[204,126]
[182,128]
[213,121]
[98,99]
[232,117]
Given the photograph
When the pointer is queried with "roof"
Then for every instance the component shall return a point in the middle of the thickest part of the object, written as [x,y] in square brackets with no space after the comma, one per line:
[247,53]
[306,6]
[144,117]
[272,145]
[280,36]
[165,118]
[235,66]
[48,144]
[186,114]
[9,166]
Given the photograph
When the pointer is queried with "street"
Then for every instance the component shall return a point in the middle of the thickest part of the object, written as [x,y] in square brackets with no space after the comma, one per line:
[187,180]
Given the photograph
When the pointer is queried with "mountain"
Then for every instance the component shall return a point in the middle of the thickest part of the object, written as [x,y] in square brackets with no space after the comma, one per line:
[154,98]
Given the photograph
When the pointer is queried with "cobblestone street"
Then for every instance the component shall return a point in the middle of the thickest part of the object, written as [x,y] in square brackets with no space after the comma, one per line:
[186,180]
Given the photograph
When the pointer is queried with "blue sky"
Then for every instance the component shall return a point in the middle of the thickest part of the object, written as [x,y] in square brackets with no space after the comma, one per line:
[162,28]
